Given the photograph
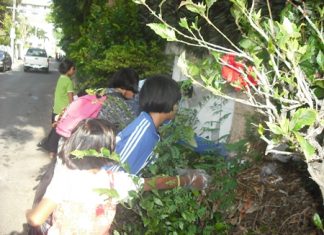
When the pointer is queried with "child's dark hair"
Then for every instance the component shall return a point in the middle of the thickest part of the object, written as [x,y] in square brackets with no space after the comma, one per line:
[65,66]
[159,94]
[88,134]
[125,78]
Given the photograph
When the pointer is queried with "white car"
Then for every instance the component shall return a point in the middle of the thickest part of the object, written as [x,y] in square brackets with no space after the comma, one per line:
[36,59]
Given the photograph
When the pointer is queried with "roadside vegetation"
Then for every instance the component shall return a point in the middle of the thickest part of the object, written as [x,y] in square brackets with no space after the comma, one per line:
[102,38]
[277,56]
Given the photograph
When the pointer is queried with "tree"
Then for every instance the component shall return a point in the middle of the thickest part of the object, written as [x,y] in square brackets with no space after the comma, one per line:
[69,16]
[24,28]
[120,36]
[5,22]
[5,31]
[278,64]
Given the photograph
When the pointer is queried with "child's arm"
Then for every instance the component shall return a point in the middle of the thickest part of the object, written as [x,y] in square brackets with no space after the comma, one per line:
[41,212]
[195,179]
[70,96]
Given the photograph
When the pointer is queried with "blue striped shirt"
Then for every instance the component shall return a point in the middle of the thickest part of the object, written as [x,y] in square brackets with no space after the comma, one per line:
[135,143]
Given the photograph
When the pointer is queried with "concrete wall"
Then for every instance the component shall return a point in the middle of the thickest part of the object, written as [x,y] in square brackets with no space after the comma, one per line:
[212,109]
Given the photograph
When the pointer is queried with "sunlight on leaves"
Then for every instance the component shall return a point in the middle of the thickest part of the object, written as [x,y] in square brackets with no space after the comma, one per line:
[163,31]
[198,8]
[301,118]
[306,147]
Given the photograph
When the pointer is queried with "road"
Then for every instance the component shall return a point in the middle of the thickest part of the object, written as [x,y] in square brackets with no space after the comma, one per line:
[25,111]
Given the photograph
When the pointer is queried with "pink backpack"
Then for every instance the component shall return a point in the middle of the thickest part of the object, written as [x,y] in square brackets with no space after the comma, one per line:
[87,106]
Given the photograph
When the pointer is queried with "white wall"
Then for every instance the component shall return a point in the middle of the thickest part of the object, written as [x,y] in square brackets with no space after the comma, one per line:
[207,111]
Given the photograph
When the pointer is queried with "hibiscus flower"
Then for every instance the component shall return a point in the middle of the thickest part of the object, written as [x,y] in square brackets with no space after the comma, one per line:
[233,72]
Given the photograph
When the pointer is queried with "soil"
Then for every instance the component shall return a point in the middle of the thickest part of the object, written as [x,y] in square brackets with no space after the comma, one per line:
[272,198]
[276,198]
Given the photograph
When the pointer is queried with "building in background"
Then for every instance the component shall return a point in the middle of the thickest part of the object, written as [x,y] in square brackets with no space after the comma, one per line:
[35,30]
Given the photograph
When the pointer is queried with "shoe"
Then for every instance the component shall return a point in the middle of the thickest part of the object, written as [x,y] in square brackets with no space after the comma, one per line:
[40,144]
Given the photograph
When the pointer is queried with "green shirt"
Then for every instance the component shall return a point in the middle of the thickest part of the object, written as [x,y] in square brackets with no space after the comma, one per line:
[63,87]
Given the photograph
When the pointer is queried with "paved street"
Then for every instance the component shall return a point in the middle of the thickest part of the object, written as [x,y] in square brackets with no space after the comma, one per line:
[25,110]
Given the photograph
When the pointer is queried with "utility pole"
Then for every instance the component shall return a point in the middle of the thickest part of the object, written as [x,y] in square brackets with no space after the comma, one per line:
[13,30]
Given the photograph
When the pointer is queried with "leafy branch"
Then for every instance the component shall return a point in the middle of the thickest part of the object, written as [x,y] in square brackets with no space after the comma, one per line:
[285,59]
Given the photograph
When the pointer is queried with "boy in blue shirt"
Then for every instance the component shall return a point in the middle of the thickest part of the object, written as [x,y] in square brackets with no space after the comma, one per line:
[158,100]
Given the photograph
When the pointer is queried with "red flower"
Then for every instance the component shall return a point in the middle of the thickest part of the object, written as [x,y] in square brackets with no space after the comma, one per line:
[234,72]
[250,76]
[100,210]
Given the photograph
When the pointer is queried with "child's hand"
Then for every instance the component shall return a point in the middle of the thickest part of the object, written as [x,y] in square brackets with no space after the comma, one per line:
[196,178]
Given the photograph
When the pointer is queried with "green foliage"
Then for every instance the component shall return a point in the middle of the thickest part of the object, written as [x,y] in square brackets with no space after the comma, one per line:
[6,23]
[284,55]
[4,4]
[180,210]
[298,42]
[6,20]
[318,222]
[69,16]
[252,145]
[110,37]
[104,153]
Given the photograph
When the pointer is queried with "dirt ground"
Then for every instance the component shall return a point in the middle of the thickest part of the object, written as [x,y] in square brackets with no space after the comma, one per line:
[272,198]
[276,198]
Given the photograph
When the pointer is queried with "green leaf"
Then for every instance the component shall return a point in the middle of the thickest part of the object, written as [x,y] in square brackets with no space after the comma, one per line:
[257,61]
[320,59]
[163,30]
[198,8]
[319,83]
[271,47]
[220,226]
[116,232]
[302,50]
[256,16]
[111,193]
[261,129]
[184,23]
[284,125]
[287,25]
[209,3]
[79,154]
[275,128]
[246,43]
[115,157]
[193,70]
[306,147]
[105,152]
[318,222]
[302,117]
[139,1]
[158,201]
[290,28]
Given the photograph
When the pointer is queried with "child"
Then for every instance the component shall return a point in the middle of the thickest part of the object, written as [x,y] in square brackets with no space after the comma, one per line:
[71,195]
[63,96]
[64,90]
[121,105]
[158,100]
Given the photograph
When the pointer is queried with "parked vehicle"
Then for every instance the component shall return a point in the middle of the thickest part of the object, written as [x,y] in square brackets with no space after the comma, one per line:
[36,59]
[5,61]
